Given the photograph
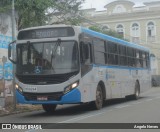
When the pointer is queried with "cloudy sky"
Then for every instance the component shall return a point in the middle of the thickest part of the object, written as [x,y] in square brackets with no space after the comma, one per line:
[99,4]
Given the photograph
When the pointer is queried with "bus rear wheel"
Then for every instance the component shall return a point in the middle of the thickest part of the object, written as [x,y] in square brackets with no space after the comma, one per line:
[98,103]
[49,108]
[137,91]
[136,94]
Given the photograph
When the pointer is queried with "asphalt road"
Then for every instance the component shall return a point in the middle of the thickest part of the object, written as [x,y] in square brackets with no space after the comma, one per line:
[144,110]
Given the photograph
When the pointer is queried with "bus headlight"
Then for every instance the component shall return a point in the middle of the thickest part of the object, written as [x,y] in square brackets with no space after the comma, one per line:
[19,88]
[70,87]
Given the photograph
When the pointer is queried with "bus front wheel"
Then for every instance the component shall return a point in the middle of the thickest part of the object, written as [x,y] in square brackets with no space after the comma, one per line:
[98,103]
[49,108]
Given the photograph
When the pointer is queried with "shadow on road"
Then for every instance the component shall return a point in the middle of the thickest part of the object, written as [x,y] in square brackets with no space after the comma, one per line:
[68,110]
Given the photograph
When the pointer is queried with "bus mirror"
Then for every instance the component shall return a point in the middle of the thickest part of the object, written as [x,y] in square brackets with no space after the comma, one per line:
[9,51]
[12,52]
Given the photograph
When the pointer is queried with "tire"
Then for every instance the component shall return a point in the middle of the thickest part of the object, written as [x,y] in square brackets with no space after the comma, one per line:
[98,103]
[136,94]
[49,108]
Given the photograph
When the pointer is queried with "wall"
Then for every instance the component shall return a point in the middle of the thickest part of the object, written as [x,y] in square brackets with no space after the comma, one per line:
[5,64]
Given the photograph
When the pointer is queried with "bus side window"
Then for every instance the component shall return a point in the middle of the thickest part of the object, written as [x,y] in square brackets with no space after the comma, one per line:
[144,60]
[138,62]
[85,57]
[85,53]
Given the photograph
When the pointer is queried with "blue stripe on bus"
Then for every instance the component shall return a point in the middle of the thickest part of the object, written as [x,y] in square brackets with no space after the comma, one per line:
[110,38]
[71,97]
[120,67]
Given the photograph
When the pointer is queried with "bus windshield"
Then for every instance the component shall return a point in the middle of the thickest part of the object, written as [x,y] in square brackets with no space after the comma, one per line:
[47,58]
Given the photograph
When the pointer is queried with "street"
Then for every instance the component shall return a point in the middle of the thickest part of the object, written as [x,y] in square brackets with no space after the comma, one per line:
[144,110]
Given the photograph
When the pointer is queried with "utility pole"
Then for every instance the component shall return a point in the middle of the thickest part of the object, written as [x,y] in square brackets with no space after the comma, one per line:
[4,60]
[13,21]
[13,70]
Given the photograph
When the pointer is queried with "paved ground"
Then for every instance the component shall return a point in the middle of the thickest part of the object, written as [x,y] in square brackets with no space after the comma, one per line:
[144,110]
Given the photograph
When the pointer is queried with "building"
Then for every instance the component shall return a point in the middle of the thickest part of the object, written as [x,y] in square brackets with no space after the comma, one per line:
[138,24]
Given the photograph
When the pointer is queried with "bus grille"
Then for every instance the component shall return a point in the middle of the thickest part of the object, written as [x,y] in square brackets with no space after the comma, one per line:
[50,96]
[44,79]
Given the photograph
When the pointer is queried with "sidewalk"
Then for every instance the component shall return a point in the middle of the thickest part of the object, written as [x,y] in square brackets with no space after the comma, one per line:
[19,109]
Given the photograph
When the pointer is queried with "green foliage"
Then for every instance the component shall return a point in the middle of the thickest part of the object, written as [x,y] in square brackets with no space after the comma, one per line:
[96,28]
[33,12]
[69,11]
[107,32]
[5,5]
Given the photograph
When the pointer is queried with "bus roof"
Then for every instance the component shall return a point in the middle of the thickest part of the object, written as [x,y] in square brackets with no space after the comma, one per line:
[113,39]
[93,33]
[46,26]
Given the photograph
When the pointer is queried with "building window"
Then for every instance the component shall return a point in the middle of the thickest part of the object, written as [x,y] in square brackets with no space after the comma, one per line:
[150,31]
[120,30]
[119,9]
[135,31]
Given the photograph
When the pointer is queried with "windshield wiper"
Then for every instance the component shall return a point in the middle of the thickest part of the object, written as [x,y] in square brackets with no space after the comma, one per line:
[58,43]
[29,52]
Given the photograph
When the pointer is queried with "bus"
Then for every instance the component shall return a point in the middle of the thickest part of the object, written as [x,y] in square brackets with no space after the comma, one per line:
[65,64]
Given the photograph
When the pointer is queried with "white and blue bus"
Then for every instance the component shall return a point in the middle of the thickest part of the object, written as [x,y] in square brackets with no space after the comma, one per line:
[61,64]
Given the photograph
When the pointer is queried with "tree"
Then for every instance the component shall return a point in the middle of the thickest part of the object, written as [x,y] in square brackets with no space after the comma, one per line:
[5,5]
[108,32]
[34,12]
[67,11]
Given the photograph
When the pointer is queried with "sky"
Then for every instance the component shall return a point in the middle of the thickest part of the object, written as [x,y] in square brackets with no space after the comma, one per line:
[99,4]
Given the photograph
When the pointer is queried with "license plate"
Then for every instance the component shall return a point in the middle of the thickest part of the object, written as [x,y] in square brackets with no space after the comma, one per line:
[42,98]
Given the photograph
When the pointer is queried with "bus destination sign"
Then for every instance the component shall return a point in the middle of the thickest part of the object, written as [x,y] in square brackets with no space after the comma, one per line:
[46,33]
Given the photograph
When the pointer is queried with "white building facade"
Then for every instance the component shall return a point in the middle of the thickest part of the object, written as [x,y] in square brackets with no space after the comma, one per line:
[138,24]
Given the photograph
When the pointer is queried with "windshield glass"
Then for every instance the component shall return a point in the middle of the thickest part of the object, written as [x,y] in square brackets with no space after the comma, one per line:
[47,58]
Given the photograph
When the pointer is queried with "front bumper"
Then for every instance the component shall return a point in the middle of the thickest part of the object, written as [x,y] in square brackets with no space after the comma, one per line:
[72,97]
